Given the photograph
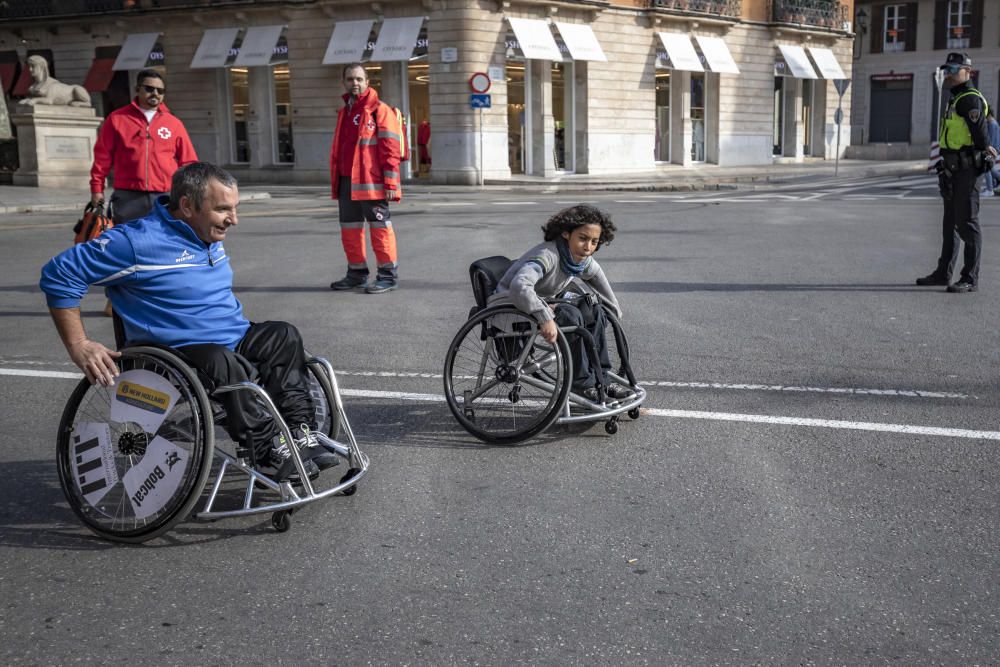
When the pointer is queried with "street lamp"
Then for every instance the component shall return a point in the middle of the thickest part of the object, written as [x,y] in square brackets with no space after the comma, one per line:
[862,21]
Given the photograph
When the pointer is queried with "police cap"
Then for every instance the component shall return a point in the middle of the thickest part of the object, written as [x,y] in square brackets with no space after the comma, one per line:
[956,59]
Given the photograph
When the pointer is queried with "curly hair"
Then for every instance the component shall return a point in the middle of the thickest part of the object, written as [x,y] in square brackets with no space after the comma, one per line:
[570,218]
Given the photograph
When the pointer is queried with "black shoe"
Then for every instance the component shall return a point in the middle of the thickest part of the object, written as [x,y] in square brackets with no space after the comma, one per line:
[618,392]
[350,281]
[382,285]
[961,287]
[589,393]
[280,458]
[316,453]
[933,279]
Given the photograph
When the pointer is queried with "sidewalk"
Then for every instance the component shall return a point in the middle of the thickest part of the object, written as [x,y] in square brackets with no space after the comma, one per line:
[20,199]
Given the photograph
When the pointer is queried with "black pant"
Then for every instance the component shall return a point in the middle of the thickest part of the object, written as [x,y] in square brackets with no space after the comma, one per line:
[591,318]
[960,223]
[270,354]
[132,204]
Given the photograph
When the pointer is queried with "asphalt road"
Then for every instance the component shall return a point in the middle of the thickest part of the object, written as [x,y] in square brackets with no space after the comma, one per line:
[815,480]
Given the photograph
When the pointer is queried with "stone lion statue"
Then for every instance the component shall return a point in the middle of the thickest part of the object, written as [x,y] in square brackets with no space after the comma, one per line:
[48,90]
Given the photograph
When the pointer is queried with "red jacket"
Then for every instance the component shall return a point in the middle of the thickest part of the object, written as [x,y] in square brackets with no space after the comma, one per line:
[375,169]
[143,157]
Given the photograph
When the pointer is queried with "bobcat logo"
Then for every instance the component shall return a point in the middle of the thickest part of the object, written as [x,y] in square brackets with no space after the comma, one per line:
[164,133]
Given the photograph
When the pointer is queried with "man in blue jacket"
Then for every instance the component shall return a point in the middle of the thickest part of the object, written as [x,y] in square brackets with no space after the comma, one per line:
[168,278]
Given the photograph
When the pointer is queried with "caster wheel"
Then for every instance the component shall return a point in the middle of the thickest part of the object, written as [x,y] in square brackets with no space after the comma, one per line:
[351,490]
[281,521]
[633,413]
[611,426]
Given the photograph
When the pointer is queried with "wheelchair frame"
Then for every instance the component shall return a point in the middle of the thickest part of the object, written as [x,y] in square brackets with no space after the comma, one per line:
[572,407]
[203,422]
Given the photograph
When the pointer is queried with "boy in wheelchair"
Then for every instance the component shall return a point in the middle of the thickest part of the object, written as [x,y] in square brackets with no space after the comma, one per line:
[169,280]
[572,236]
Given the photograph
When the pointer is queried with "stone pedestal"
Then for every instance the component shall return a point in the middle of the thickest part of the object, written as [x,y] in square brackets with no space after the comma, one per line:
[55,145]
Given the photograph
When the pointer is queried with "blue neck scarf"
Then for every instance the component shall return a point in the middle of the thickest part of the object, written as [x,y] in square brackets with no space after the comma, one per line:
[566,262]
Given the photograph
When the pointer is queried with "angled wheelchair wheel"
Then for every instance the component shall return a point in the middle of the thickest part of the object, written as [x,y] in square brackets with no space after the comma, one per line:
[133,458]
[503,382]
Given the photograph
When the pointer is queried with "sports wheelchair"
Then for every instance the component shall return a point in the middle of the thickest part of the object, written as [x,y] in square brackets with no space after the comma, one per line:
[505,384]
[134,458]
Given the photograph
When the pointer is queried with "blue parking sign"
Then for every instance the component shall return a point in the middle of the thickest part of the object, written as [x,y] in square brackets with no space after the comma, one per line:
[479,101]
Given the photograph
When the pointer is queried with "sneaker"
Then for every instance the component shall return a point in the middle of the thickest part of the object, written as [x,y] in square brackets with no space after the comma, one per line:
[350,281]
[313,451]
[986,193]
[589,393]
[382,285]
[280,458]
[933,279]
[961,287]
[618,392]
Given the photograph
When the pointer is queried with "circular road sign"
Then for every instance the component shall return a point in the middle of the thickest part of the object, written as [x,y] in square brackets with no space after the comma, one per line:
[479,82]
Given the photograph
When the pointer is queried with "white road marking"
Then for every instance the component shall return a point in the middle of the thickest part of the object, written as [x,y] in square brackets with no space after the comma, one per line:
[453,203]
[827,423]
[908,429]
[513,203]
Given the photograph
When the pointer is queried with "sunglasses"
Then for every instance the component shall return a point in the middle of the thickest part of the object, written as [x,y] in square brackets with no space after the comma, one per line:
[154,89]
[952,69]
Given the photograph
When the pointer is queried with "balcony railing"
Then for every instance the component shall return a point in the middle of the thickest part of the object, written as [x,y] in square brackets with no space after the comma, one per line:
[33,9]
[733,8]
[817,13]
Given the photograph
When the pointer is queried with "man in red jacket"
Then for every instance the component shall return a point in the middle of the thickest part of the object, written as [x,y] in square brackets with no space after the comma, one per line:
[364,173]
[144,144]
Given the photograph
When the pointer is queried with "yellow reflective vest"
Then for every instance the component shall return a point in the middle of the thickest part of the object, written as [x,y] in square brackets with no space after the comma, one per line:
[954,129]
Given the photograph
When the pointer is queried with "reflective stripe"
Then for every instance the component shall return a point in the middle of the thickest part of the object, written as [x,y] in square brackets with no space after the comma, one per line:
[146,267]
[369,142]
[389,173]
[390,265]
[380,224]
[353,225]
[356,267]
[385,134]
[366,186]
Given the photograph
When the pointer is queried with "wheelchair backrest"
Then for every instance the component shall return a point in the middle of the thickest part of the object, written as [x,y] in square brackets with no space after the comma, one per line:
[486,274]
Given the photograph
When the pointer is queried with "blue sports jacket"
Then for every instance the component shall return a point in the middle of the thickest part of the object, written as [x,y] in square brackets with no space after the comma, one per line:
[165,283]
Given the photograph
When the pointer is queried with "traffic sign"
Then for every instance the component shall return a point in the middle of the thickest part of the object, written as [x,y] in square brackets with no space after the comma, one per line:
[479,82]
[479,101]
[841,85]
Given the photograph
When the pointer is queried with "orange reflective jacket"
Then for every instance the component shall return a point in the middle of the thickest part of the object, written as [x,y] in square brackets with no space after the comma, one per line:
[375,168]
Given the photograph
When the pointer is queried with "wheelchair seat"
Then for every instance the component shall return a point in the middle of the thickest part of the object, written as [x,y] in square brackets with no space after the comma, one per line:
[486,274]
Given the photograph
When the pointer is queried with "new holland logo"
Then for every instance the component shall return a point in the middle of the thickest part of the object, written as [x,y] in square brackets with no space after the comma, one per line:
[142,397]
[184,256]
[164,133]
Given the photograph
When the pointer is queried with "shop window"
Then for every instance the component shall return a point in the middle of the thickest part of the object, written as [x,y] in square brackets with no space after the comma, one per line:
[284,146]
[697,117]
[662,147]
[515,115]
[239,96]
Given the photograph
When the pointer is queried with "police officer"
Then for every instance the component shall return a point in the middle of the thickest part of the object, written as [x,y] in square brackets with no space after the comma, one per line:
[965,155]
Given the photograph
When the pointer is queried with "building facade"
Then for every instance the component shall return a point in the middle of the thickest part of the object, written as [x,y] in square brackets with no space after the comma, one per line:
[572,86]
[899,46]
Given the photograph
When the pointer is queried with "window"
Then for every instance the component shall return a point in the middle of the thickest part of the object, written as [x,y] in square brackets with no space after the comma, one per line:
[959,23]
[894,35]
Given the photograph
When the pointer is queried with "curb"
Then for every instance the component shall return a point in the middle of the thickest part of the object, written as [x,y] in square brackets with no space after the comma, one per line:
[48,208]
